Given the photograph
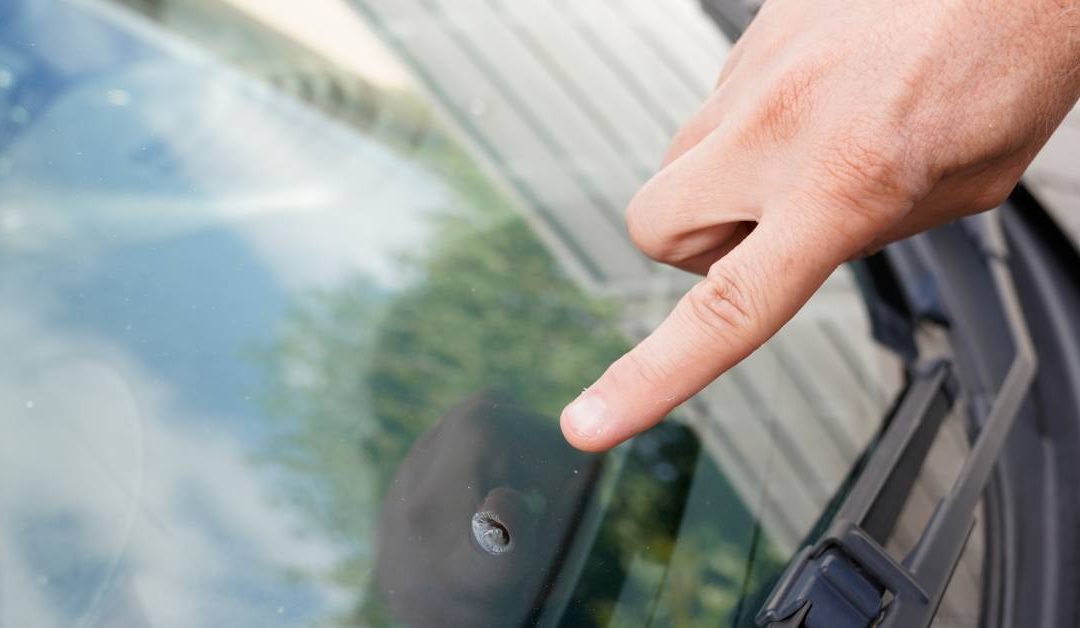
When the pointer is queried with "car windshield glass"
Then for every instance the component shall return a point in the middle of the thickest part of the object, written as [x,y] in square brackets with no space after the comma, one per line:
[290,300]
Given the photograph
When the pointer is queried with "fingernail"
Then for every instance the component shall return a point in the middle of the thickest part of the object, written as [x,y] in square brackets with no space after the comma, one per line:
[586,416]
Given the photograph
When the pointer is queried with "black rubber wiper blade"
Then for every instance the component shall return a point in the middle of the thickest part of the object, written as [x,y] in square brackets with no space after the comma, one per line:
[842,580]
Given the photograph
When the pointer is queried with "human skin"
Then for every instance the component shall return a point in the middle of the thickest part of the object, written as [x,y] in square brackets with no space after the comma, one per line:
[835,127]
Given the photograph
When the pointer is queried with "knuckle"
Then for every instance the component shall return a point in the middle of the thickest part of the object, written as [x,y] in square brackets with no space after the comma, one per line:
[786,103]
[871,164]
[645,237]
[645,231]
[994,193]
[869,175]
[720,306]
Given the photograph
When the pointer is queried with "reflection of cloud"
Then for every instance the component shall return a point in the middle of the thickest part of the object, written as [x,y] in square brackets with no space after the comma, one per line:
[182,158]
[197,144]
[169,518]
[127,489]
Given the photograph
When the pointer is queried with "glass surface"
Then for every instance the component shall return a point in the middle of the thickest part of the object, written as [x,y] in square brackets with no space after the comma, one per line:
[289,309]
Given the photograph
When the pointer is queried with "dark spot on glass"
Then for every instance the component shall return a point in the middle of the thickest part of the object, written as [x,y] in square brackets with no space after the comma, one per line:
[490,533]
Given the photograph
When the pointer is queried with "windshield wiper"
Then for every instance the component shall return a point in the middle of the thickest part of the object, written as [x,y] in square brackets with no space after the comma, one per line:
[847,579]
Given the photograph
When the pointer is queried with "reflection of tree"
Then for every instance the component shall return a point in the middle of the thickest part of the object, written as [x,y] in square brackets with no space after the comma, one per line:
[491,311]
[359,373]
[675,547]
[723,564]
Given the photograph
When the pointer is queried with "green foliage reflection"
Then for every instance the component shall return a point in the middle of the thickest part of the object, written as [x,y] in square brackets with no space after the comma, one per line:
[359,372]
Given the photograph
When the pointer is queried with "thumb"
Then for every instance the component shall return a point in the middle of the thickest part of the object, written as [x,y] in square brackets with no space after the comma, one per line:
[746,297]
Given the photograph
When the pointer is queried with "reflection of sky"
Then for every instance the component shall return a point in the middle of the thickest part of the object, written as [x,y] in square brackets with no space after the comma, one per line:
[157,212]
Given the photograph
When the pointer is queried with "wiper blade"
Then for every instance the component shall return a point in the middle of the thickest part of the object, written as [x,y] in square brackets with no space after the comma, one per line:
[843,580]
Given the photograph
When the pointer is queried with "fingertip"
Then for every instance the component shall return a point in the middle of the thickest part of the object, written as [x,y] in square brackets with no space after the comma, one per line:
[585,422]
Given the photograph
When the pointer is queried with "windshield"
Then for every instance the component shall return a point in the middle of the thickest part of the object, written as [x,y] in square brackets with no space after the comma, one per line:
[290,300]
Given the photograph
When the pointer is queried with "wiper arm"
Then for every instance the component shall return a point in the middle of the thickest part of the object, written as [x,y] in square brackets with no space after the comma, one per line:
[842,580]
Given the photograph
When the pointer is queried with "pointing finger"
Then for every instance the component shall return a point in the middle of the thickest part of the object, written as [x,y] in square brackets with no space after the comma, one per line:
[745,298]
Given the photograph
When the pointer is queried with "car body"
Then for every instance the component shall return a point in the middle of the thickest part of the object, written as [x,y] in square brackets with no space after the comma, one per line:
[291,297]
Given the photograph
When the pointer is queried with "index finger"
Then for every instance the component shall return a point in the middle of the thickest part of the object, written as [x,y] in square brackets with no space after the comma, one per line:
[747,296]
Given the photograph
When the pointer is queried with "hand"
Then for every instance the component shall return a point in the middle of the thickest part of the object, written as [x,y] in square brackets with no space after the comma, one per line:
[835,128]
